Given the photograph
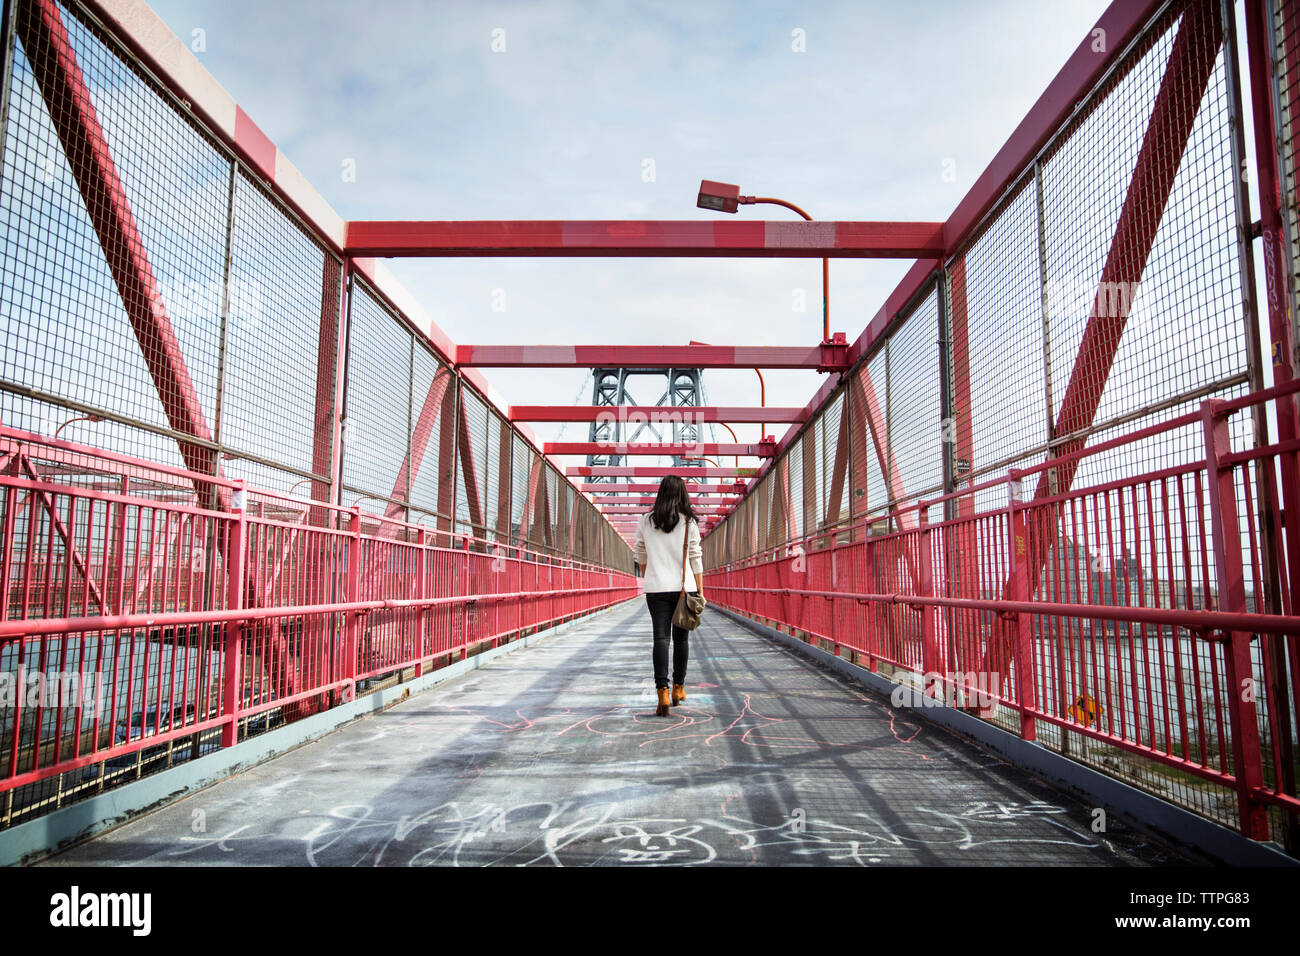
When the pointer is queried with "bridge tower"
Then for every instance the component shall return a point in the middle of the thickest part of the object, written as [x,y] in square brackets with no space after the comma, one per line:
[682,388]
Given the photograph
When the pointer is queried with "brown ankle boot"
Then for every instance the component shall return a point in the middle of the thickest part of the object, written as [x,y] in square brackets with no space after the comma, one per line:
[679,693]
[663,703]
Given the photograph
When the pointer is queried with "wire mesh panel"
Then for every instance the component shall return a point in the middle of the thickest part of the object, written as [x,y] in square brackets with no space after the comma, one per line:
[473,450]
[1286,56]
[1141,234]
[521,464]
[869,436]
[497,480]
[112,269]
[282,312]
[378,401]
[995,330]
[433,400]
[915,409]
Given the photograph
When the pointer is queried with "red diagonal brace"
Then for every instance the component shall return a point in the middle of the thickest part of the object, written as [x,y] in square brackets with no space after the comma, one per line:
[469,472]
[1200,34]
[67,97]
[66,535]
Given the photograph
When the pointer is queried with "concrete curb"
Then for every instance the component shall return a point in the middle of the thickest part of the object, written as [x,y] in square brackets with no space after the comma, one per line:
[1181,829]
[36,839]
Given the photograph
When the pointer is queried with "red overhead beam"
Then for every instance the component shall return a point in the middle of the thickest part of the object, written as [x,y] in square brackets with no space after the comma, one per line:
[599,486]
[655,414]
[656,471]
[649,500]
[638,356]
[655,448]
[632,237]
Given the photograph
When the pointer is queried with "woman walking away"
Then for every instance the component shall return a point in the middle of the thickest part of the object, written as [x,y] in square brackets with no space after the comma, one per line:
[662,535]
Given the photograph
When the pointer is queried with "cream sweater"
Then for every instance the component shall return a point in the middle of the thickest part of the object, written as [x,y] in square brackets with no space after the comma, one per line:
[659,554]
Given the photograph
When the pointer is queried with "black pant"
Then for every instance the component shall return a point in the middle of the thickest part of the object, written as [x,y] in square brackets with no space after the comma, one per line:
[662,604]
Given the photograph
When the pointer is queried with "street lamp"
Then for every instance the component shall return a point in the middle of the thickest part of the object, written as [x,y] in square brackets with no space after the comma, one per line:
[724,197]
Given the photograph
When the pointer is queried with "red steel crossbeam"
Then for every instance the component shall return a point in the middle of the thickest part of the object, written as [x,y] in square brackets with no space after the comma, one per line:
[639,356]
[612,237]
[692,487]
[657,471]
[1200,34]
[657,414]
[655,448]
[649,500]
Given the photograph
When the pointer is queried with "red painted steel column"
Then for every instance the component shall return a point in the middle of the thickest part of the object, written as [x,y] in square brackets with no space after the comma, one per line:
[871,644]
[1021,623]
[505,481]
[1278,289]
[352,619]
[233,644]
[931,662]
[327,397]
[447,459]
[1247,753]
[422,613]
[465,605]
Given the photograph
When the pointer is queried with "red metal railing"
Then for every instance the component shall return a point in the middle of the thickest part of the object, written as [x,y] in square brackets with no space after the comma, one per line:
[1137,614]
[136,617]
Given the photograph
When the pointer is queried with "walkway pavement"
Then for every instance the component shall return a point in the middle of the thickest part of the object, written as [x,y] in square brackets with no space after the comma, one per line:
[553,756]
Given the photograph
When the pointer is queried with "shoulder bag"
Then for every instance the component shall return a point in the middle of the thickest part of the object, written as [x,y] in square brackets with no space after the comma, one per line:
[689,606]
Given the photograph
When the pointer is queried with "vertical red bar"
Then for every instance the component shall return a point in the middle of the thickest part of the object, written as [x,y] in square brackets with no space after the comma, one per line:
[464,605]
[234,646]
[870,641]
[352,626]
[1247,754]
[930,663]
[422,613]
[1022,622]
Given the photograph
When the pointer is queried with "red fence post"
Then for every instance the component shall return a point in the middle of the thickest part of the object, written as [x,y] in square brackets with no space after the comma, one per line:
[232,664]
[464,605]
[1247,756]
[869,587]
[352,628]
[1022,622]
[422,613]
[930,663]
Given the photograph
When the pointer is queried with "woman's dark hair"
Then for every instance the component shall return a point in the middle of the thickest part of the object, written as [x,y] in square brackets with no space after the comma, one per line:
[671,500]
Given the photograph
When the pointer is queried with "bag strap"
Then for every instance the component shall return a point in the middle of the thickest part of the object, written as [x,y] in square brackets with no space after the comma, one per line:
[686,536]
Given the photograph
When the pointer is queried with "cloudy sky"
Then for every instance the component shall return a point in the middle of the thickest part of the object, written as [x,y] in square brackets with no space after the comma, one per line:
[572,110]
